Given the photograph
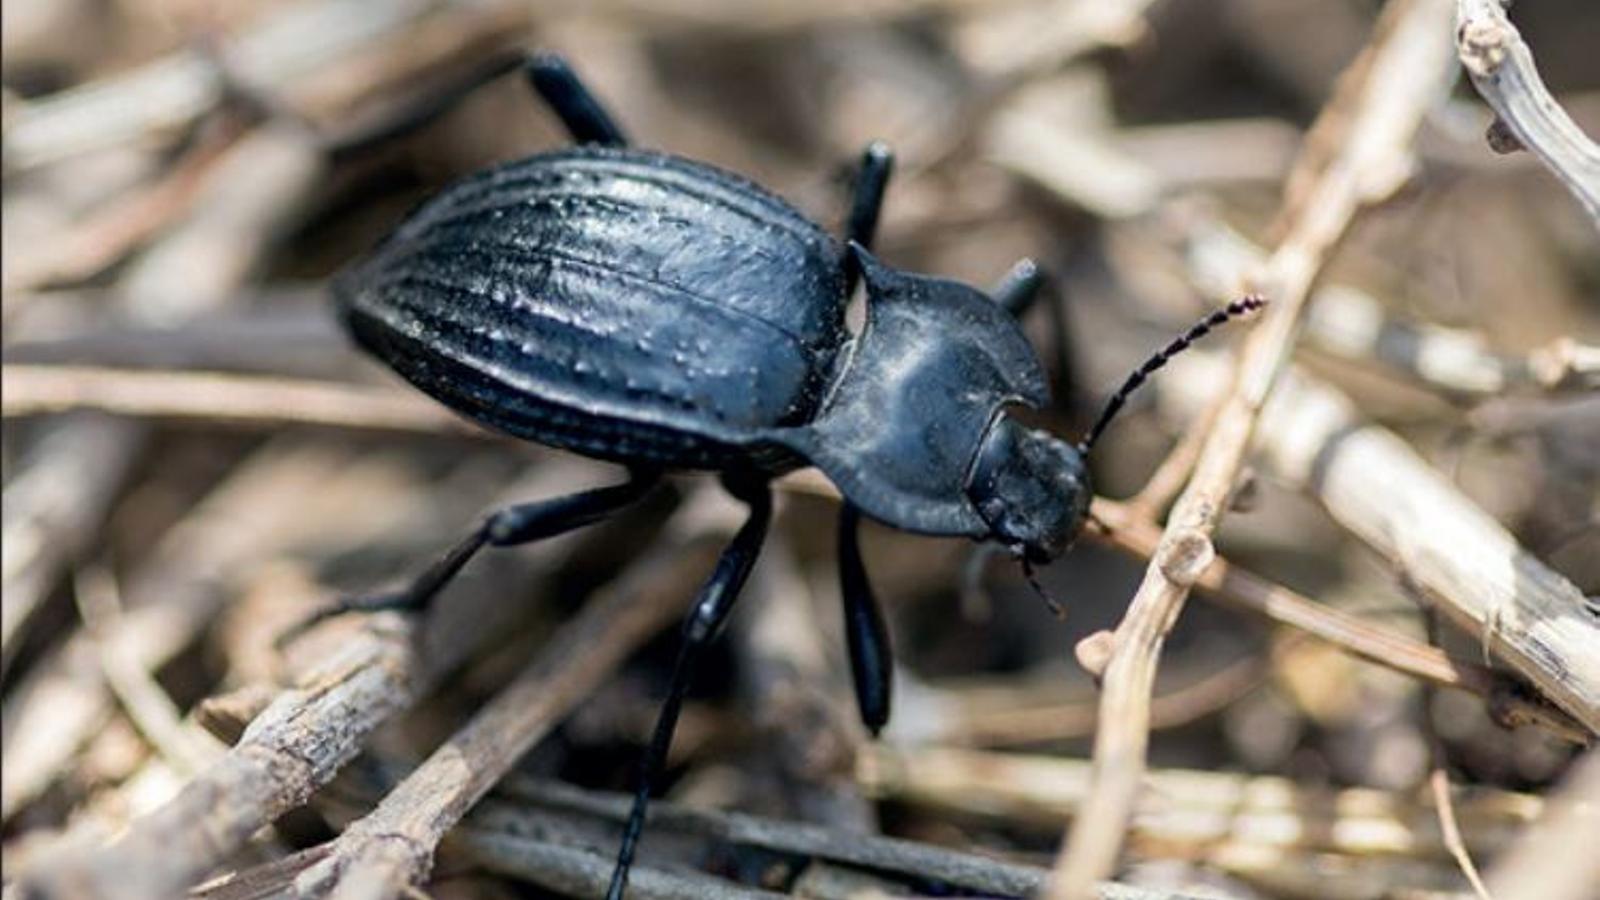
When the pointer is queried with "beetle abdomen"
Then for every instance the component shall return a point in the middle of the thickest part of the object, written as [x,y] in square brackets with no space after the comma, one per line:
[640,293]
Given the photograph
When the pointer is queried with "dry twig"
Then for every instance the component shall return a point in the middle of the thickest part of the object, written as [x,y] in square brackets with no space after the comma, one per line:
[171,597]
[1444,545]
[252,191]
[1132,532]
[1452,551]
[558,837]
[987,717]
[1240,588]
[1554,859]
[391,848]
[296,744]
[1193,812]
[1350,323]
[1402,75]
[53,509]
[1502,69]
[907,859]
[172,91]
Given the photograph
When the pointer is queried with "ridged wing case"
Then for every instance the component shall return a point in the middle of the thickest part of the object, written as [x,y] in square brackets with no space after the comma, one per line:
[623,304]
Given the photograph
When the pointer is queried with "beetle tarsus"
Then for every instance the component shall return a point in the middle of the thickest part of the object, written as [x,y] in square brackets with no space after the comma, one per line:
[705,620]
[367,603]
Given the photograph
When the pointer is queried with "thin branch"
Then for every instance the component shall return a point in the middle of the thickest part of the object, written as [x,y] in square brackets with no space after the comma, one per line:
[1439,785]
[1502,69]
[1173,473]
[226,222]
[172,91]
[1450,829]
[221,398]
[143,699]
[986,717]
[392,848]
[1555,858]
[1230,584]
[264,504]
[908,860]
[53,511]
[1190,813]
[1457,555]
[557,836]
[109,233]
[1382,110]
[305,735]
[1245,590]
[581,872]
[1350,323]
[1453,552]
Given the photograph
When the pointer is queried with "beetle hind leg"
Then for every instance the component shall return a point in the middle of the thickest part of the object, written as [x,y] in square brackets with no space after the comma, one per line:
[508,527]
[705,620]
[585,117]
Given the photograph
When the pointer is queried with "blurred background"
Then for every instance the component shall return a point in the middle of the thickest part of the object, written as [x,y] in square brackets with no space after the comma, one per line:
[182,177]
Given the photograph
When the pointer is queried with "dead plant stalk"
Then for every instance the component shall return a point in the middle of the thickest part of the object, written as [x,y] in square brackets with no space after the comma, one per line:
[1398,78]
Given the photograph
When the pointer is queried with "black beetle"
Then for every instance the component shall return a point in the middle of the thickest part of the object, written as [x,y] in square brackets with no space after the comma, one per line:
[660,313]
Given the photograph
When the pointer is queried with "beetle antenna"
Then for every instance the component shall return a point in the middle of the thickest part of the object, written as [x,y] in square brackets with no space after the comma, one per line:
[1179,344]
[1056,609]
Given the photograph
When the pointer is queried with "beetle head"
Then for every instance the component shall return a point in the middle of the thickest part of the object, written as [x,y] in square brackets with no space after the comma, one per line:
[1032,489]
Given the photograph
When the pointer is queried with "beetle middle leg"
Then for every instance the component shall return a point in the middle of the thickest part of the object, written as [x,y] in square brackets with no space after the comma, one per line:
[871,656]
[705,620]
[508,527]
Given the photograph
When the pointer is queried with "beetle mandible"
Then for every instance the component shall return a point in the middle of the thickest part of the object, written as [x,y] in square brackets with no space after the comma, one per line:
[663,314]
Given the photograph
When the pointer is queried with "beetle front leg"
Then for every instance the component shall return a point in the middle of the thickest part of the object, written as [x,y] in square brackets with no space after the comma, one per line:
[871,659]
[520,524]
[584,115]
[705,620]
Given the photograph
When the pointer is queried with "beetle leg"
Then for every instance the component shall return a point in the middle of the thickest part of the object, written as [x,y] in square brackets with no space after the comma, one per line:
[866,201]
[507,527]
[415,111]
[547,73]
[585,117]
[871,659]
[705,620]
[1017,292]
[1020,287]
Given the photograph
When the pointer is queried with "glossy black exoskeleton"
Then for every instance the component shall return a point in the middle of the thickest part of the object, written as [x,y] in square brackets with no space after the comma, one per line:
[660,313]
